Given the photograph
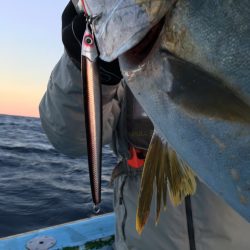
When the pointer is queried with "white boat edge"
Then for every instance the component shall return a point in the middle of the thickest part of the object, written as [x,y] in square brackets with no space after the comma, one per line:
[72,234]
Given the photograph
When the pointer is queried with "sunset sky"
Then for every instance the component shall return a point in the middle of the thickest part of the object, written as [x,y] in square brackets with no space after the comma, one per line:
[30,46]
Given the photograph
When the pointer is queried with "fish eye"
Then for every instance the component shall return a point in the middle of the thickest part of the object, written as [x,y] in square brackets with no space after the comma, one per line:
[88,40]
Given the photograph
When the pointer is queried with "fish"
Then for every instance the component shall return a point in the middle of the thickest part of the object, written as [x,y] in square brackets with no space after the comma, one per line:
[93,113]
[193,83]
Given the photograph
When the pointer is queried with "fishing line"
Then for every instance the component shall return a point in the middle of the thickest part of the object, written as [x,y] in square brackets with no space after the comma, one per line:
[85,9]
[72,27]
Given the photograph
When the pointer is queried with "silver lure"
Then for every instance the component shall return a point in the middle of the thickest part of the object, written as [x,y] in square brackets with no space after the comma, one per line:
[93,113]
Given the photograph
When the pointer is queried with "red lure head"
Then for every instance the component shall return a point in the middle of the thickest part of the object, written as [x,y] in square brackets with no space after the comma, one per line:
[88,45]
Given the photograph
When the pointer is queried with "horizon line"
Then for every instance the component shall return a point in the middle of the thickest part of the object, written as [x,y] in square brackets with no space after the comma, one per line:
[26,116]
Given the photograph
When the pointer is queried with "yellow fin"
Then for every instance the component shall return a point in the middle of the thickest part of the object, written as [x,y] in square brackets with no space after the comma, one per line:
[164,167]
[181,178]
[147,183]
[160,179]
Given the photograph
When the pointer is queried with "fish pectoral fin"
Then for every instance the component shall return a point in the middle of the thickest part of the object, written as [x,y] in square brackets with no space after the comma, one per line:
[202,94]
[165,168]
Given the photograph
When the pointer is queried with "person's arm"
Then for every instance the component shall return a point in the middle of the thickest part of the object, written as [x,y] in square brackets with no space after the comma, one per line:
[61,108]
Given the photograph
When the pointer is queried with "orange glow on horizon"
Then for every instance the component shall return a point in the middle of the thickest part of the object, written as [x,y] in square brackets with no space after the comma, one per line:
[21,101]
[30,47]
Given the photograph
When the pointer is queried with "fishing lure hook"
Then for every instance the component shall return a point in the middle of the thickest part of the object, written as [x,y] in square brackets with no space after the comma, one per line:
[96,209]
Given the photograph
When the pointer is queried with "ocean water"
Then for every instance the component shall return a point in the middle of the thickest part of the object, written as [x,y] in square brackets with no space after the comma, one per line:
[40,187]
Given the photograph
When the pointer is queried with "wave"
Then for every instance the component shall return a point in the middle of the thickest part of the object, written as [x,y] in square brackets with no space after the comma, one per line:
[28,150]
[39,186]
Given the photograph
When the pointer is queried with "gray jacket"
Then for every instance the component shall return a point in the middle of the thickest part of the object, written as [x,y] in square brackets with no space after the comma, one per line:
[61,109]
[214,224]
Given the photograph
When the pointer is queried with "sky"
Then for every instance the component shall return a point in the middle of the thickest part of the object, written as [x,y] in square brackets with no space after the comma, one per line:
[30,46]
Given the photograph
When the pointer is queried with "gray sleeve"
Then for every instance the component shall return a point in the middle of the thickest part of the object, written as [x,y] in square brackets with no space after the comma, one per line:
[61,109]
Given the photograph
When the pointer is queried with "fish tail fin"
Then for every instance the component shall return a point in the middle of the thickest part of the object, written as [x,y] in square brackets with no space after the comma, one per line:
[181,178]
[147,184]
[159,184]
[164,167]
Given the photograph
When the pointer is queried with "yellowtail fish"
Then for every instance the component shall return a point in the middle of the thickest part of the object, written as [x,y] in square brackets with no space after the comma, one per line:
[93,113]
[191,86]
[201,118]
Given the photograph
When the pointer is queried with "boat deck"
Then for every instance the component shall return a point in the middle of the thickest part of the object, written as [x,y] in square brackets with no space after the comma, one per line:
[94,233]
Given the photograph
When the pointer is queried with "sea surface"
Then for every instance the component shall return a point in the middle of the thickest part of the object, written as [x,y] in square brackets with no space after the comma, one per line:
[39,187]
